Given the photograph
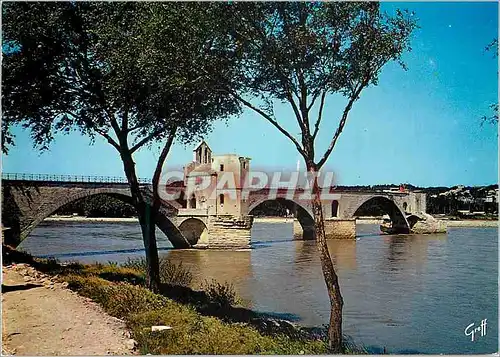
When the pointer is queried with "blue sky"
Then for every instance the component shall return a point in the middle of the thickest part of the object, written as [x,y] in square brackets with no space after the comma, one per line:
[421,126]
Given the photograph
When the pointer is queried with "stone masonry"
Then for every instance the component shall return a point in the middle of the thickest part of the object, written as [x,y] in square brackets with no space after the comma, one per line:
[27,203]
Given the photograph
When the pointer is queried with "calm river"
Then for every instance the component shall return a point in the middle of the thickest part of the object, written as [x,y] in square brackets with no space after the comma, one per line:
[409,294]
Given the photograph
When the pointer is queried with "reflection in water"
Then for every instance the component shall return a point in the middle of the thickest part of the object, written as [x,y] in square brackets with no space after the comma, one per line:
[234,268]
[408,251]
[342,252]
[406,293]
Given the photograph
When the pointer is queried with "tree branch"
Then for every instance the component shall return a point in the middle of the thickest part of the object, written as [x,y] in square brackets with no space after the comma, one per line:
[104,134]
[125,120]
[313,100]
[296,111]
[320,115]
[272,121]
[108,138]
[159,166]
[341,124]
[303,101]
[145,140]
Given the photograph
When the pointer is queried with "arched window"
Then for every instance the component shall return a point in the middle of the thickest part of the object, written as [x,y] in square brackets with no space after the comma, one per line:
[221,199]
[192,202]
[405,205]
[335,208]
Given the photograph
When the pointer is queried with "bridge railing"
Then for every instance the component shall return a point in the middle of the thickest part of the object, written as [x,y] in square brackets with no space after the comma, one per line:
[68,178]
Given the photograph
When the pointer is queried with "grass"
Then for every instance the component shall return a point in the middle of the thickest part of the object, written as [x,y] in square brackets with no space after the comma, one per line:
[203,322]
[170,272]
[222,295]
[192,332]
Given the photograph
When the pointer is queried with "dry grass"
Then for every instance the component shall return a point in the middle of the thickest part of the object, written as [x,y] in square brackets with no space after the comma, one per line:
[192,333]
[121,292]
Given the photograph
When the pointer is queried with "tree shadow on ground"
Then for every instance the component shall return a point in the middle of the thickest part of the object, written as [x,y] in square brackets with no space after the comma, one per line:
[10,288]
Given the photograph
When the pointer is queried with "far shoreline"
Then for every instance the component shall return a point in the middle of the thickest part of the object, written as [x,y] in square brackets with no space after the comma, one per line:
[90,219]
[361,220]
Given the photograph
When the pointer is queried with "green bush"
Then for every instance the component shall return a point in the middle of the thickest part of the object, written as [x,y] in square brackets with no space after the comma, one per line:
[170,273]
[119,300]
[195,334]
[191,332]
[222,295]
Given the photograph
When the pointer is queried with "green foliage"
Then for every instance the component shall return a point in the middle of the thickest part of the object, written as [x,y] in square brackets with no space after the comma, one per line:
[493,118]
[222,295]
[135,73]
[300,52]
[191,333]
[170,272]
[115,273]
[271,208]
[128,69]
[119,300]
[98,206]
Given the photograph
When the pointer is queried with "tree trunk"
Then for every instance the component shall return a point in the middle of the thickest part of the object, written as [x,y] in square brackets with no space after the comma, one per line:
[146,220]
[331,279]
[155,210]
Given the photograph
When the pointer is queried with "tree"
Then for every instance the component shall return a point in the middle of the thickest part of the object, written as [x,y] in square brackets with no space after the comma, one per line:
[300,53]
[132,73]
[493,47]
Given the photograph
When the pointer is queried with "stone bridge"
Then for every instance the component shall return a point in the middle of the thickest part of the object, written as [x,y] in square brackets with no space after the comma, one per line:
[27,201]
[341,209]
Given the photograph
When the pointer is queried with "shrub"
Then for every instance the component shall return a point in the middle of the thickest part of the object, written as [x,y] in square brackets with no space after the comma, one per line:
[117,274]
[119,300]
[170,273]
[222,295]
[195,334]
[191,332]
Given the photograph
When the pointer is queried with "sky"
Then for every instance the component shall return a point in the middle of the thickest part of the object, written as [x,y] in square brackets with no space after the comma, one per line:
[421,126]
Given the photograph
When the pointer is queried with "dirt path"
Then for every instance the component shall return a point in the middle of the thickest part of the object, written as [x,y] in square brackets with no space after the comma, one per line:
[41,317]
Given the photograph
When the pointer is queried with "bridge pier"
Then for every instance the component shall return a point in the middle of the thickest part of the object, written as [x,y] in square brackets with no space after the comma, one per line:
[229,232]
[204,231]
[337,228]
[302,231]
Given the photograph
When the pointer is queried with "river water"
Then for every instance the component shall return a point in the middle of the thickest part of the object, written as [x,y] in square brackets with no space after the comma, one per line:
[407,294]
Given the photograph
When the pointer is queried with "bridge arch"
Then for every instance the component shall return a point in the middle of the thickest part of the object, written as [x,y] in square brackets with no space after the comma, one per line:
[301,213]
[194,230]
[34,204]
[388,206]
[65,199]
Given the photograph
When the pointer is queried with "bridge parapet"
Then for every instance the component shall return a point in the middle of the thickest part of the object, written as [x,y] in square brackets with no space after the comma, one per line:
[203,212]
[68,178]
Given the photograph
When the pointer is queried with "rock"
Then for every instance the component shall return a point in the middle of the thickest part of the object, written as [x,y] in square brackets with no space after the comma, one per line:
[131,344]
[429,225]
[89,323]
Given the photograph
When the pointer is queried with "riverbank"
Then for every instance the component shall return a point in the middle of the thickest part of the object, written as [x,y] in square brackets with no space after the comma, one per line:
[198,322]
[375,220]
[273,219]
[89,219]
[471,223]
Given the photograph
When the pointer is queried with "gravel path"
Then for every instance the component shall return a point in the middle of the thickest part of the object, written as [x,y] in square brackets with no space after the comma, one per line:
[42,317]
